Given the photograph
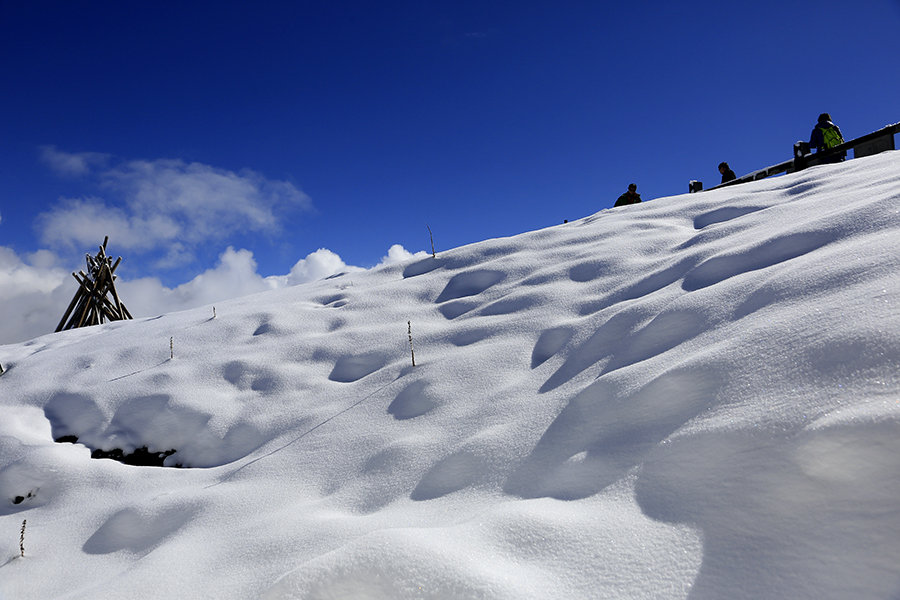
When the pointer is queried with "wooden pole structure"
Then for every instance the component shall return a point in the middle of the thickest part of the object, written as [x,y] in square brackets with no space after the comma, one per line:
[91,306]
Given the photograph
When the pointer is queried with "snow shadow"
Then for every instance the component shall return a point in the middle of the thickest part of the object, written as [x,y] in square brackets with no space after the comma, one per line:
[247,376]
[469,283]
[601,434]
[663,333]
[804,187]
[137,531]
[151,425]
[590,270]
[348,369]
[512,305]
[797,510]
[655,281]
[767,254]
[263,329]
[601,345]
[721,215]
[333,301]
[73,414]
[650,284]
[423,266]
[452,310]
[550,342]
[413,401]
[265,324]
[470,336]
[453,473]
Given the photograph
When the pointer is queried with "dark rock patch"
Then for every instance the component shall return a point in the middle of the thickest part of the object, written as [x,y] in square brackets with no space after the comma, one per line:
[141,457]
[21,499]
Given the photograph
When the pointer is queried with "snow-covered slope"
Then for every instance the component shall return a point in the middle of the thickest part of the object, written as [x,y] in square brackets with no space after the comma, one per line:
[694,397]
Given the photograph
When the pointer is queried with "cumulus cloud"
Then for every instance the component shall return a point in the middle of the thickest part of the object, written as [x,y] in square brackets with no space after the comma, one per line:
[398,254]
[35,290]
[320,264]
[169,207]
[324,263]
[233,276]
[33,293]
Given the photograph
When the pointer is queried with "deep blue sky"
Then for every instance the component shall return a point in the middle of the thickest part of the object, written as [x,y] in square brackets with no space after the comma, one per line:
[478,119]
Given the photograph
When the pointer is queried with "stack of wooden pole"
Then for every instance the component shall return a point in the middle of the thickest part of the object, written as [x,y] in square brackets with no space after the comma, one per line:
[91,304]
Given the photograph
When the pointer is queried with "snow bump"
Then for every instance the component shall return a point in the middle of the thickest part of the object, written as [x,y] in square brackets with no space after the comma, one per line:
[470,283]
[348,369]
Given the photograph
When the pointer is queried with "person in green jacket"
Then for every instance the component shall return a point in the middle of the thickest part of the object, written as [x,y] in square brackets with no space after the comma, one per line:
[629,197]
[825,136]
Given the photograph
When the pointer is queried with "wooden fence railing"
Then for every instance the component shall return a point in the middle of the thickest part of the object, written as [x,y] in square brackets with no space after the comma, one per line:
[867,145]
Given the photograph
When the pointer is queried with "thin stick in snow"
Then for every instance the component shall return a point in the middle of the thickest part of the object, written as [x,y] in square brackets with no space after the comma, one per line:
[430,235]
[411,351]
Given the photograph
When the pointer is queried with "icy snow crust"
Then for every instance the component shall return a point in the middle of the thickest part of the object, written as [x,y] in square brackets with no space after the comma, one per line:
[692,397]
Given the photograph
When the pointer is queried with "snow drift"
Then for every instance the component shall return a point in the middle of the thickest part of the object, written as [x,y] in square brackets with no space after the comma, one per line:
[695,397]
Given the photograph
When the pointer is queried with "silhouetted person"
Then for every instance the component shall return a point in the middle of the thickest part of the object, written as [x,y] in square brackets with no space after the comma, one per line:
[825,136]
[629,197]
[727,173]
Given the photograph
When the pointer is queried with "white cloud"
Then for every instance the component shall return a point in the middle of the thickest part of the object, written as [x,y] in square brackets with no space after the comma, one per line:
[210,203]
[33,292]
[165,206]
[72,164]
[81,223]
[42,259]
[398,254]
[320,264]
[18,276]
[233,276]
